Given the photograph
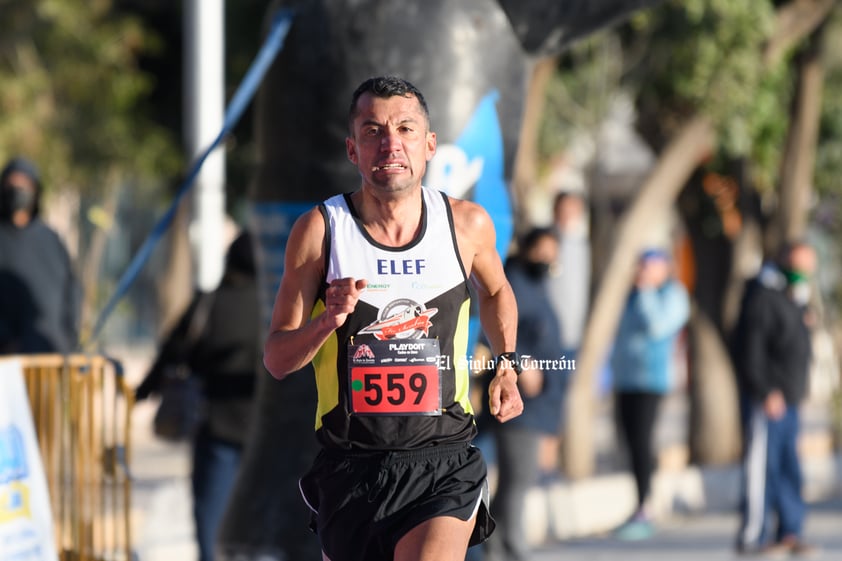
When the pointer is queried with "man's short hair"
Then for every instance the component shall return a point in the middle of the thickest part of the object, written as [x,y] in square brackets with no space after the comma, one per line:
[386,87]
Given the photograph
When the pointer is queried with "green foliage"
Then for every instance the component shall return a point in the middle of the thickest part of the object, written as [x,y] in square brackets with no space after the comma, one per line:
[72,95]
[683,59]
[705,57]
[580,93]
[767,123]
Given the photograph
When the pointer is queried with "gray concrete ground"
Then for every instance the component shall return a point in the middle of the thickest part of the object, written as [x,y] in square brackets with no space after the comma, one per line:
[705,536]
[568,520]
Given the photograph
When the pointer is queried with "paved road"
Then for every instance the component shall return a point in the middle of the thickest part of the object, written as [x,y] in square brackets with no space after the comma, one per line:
[706,537]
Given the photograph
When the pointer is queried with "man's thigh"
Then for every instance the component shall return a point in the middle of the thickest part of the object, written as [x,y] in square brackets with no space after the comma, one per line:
[443,538]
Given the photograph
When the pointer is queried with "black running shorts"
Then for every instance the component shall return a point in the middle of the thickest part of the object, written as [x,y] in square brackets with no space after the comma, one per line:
[364,502]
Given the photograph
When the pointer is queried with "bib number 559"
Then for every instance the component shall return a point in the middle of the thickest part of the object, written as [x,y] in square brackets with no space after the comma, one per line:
[396,391]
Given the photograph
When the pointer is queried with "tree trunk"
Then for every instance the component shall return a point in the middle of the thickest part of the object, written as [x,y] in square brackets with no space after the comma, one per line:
[714,436]
[794,21]
[682,156]
[721,242]
[796,183]
[525,174]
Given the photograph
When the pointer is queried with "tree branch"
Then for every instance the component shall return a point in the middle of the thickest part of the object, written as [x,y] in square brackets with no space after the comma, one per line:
[795,21]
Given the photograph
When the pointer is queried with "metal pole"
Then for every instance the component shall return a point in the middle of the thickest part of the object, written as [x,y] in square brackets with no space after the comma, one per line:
[204,111]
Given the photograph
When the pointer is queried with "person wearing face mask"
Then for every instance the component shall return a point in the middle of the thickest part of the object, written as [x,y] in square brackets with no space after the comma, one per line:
[39,293]
[642,362]
[541,384]
[771,350]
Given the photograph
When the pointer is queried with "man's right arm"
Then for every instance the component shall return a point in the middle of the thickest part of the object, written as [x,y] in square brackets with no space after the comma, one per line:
[294,337]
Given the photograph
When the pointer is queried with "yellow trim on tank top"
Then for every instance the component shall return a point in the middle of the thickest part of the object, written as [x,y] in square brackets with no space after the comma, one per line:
[324,364]
[460,349]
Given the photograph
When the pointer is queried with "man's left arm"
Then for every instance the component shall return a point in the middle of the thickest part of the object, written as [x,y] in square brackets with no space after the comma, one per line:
[497,304]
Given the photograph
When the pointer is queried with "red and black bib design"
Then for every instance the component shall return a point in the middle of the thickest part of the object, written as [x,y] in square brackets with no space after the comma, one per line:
[394,378]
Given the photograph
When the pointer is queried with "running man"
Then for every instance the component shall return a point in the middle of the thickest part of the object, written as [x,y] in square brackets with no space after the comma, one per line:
[397,477]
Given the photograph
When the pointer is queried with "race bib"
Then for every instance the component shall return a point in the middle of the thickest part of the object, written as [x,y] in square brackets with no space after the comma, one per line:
[395,377]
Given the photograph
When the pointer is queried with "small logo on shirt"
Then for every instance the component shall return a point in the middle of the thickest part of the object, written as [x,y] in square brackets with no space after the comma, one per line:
[363,353]
[401,319]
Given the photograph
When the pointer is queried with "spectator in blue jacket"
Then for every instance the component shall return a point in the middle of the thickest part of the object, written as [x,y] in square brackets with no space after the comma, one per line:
[642,363]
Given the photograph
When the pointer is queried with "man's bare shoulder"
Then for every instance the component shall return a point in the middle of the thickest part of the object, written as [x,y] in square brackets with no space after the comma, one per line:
[469,216]
[306,239]
[475,233]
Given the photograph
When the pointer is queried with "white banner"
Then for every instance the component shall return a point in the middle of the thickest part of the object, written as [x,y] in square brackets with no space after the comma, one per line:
[26,522]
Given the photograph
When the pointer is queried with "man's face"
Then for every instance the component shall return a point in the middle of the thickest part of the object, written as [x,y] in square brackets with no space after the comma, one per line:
[568,209]
[802,259]
[390,142]
[544,251]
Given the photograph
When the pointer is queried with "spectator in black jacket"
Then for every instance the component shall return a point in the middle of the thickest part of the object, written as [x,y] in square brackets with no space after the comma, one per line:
[226,356]
[39,293]
[772,354]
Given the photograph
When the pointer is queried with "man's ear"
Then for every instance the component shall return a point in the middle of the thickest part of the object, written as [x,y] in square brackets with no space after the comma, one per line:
[431,145]
[351,150]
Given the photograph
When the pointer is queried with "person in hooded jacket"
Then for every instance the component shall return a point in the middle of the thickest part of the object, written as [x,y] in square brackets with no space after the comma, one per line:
[225,355]
[772,351]
[40,297]
[542,383]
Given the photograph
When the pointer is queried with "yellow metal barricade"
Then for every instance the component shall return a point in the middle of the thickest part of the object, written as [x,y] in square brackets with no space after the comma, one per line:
[81,407]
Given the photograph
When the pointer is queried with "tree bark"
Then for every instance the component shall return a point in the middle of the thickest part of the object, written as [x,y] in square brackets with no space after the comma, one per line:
[714,436]
[798,163]
[794,21]
[692,144]
[525,173]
